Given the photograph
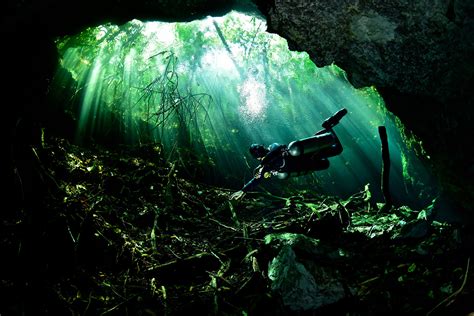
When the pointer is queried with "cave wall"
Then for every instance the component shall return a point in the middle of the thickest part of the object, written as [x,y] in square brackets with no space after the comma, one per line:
[421,48]
[419,55]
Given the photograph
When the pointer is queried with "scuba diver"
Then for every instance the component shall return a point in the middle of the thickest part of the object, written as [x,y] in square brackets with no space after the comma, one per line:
[297,158]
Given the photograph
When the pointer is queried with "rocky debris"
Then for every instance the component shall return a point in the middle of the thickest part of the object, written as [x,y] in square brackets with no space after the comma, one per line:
[120,230]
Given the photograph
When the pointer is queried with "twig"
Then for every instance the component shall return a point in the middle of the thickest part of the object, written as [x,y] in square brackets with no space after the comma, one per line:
[171,250]
[218,276]
[223,225]
[249,238]
[369,280]
[196,256]
[455,293]
[274,196]
[118,305]
[88,303]
[243,285]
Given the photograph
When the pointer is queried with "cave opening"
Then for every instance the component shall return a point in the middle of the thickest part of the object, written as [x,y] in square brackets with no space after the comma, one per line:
[207,89]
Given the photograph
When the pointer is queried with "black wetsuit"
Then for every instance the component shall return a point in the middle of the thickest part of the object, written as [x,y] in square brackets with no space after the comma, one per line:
[278,161]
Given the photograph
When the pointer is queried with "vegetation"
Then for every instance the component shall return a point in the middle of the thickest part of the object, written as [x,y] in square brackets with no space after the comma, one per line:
[206,90]
[119,230]
[130,212]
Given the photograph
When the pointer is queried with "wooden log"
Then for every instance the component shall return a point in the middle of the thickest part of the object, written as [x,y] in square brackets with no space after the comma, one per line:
[385,167]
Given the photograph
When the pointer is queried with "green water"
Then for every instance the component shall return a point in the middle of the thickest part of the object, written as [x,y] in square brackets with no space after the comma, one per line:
[208,89]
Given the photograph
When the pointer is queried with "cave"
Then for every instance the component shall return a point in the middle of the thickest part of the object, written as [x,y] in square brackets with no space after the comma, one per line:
[113,215]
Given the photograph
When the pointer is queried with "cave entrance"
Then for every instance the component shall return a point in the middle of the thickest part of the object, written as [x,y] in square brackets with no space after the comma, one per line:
[207,89]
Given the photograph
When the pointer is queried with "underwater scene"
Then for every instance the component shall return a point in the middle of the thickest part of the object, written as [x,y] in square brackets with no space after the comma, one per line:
[208,89]
[205,167]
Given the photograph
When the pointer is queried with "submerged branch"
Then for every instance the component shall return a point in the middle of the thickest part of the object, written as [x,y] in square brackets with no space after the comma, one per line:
[451,297]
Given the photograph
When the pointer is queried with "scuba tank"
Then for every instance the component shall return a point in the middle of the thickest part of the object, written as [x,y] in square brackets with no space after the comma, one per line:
[286,175]
[311,144]
[324,141]
[299,168]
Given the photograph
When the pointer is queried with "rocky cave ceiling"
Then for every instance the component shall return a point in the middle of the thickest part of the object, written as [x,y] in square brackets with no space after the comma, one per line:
[419,54]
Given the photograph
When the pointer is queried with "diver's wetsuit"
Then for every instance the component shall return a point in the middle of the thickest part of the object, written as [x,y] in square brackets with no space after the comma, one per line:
[299,157]
[275,160]
[280,163]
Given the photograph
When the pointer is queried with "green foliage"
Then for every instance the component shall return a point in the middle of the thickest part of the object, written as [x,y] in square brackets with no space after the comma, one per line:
[412,141]
[207,89]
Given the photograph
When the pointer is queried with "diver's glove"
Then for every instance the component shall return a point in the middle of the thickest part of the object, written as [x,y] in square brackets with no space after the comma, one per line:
[237,195]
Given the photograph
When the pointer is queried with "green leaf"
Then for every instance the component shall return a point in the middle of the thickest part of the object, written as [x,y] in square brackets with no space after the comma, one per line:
[422,215]
[313,207]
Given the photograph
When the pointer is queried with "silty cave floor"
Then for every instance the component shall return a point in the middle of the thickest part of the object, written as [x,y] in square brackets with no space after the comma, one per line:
[118,231]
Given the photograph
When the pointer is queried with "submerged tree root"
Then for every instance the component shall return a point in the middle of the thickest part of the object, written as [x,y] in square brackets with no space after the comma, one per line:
[450,299]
